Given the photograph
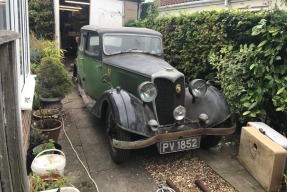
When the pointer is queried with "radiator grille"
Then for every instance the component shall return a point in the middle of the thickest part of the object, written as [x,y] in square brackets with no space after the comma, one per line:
[167,98]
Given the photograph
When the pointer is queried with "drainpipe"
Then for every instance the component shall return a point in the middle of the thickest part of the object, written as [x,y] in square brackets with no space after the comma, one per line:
[138,12]
[57,22]
[123,13]
[226,3]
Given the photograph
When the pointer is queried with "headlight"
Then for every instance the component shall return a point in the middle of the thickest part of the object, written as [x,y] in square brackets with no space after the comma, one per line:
[179,113]
[197,87]
[147,91]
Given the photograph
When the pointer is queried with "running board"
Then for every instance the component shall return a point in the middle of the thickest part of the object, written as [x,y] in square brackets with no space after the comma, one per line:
[89,102]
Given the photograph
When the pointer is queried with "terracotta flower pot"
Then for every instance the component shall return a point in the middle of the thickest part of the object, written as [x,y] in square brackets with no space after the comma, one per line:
[50,127]
[46,114]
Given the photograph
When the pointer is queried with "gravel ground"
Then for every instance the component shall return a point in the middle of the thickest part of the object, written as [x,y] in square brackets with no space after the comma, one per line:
[183,169]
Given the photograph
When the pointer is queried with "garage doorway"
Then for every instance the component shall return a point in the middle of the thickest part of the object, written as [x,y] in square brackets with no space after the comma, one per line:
[73,15]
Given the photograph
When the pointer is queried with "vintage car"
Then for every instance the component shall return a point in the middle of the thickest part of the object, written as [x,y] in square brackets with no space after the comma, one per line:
[125,81]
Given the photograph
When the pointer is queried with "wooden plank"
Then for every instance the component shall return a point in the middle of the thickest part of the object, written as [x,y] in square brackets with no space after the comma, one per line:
[8,36]
[6,182]
[9,80]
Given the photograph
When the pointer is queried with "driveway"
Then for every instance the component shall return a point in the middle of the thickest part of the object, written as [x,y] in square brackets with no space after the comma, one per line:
[88,138]
[86,134]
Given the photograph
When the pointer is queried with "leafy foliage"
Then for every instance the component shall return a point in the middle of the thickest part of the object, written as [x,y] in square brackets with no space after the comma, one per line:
[52,180]
[49,145]
[41,18]
[36,137]
[41,48]
[244,51]
[53,79]
[254,78]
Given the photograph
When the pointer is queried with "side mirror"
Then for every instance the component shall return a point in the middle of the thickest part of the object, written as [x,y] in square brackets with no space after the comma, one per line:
[106,78]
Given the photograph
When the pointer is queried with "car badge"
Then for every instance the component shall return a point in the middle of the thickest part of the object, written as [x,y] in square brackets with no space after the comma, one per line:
[178,88]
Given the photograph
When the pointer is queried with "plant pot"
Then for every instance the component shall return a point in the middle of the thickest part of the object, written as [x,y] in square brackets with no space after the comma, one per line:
[50,127]
[31,156]
[51,103]
[46,114]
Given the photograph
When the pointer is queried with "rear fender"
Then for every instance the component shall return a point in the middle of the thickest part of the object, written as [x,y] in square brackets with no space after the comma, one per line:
[128,111]
[213,104]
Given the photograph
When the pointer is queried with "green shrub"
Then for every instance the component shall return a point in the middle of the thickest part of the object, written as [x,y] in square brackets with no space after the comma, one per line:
[41,18]
[189,39]
[53,79]
[254,78]
[40,48]
[244,51]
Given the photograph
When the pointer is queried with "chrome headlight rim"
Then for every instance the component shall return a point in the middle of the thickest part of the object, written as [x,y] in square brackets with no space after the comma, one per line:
[179,113]
[147,91]
[197,87]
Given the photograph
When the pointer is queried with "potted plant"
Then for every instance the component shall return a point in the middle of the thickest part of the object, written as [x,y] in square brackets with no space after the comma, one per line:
[47,114]
[37,146]
[52,182]
[49,127]
[53,82]
[36,138]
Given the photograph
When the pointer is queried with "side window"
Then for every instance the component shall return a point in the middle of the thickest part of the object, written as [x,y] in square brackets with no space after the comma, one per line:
[93,44]
[81,42]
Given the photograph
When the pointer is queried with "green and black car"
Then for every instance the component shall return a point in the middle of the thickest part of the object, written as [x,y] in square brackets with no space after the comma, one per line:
[125,80]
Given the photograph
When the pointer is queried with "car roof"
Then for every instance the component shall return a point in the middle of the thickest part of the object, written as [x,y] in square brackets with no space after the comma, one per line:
[102,30]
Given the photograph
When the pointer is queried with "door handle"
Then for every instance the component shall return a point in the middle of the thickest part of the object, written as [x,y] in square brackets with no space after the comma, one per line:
[99,66]
[81,58]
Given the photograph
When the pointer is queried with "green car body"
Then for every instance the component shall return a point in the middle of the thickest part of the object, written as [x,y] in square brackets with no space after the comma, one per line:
[122,70]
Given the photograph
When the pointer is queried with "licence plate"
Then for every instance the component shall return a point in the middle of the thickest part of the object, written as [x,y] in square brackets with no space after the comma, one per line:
[179,145]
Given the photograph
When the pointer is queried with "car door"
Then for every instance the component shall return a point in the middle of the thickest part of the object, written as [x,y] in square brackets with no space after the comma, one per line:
[80,59]
[93,66]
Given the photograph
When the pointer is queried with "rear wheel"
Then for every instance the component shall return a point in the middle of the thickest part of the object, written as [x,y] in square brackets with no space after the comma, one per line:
[209,141]
[119,156]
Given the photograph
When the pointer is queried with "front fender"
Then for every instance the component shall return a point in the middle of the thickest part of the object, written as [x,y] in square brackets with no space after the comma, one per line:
[128,111]
[213,104]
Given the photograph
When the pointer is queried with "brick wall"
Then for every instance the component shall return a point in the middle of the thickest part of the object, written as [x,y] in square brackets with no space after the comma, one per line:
[171,2]
[26,122]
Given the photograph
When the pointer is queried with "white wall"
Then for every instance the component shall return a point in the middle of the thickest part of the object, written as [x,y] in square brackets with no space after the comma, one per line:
[207,5]
[106,13]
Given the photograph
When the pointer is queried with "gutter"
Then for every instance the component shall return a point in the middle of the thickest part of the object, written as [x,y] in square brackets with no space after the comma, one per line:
[193,4]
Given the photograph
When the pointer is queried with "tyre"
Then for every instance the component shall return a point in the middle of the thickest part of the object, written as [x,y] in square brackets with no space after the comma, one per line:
[209,141]
[119,156]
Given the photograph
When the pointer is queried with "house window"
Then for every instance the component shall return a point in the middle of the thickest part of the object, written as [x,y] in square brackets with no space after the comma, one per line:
[14,17]
[3,14]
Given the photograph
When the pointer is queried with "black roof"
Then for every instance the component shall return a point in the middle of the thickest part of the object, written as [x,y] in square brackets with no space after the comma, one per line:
[102,30]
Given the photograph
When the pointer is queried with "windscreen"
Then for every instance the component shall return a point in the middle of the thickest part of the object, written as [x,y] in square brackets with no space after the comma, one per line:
[122,43]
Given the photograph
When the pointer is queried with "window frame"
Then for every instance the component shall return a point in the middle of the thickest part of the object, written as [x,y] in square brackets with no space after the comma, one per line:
[17,20]
[86,51]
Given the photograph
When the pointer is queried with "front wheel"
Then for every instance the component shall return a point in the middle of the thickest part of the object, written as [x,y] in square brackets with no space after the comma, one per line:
[119,156]
[209,141]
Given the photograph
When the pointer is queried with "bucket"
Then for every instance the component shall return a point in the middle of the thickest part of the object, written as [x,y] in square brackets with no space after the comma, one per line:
[43,163]
[63,189]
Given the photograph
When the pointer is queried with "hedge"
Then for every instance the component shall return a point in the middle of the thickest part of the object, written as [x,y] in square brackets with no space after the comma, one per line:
[244,52]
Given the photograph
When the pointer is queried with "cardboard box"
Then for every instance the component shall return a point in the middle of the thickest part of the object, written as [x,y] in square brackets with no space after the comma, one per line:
[262,158]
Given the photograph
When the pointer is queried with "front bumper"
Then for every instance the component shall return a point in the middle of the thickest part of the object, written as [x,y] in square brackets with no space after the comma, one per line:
[172,135]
